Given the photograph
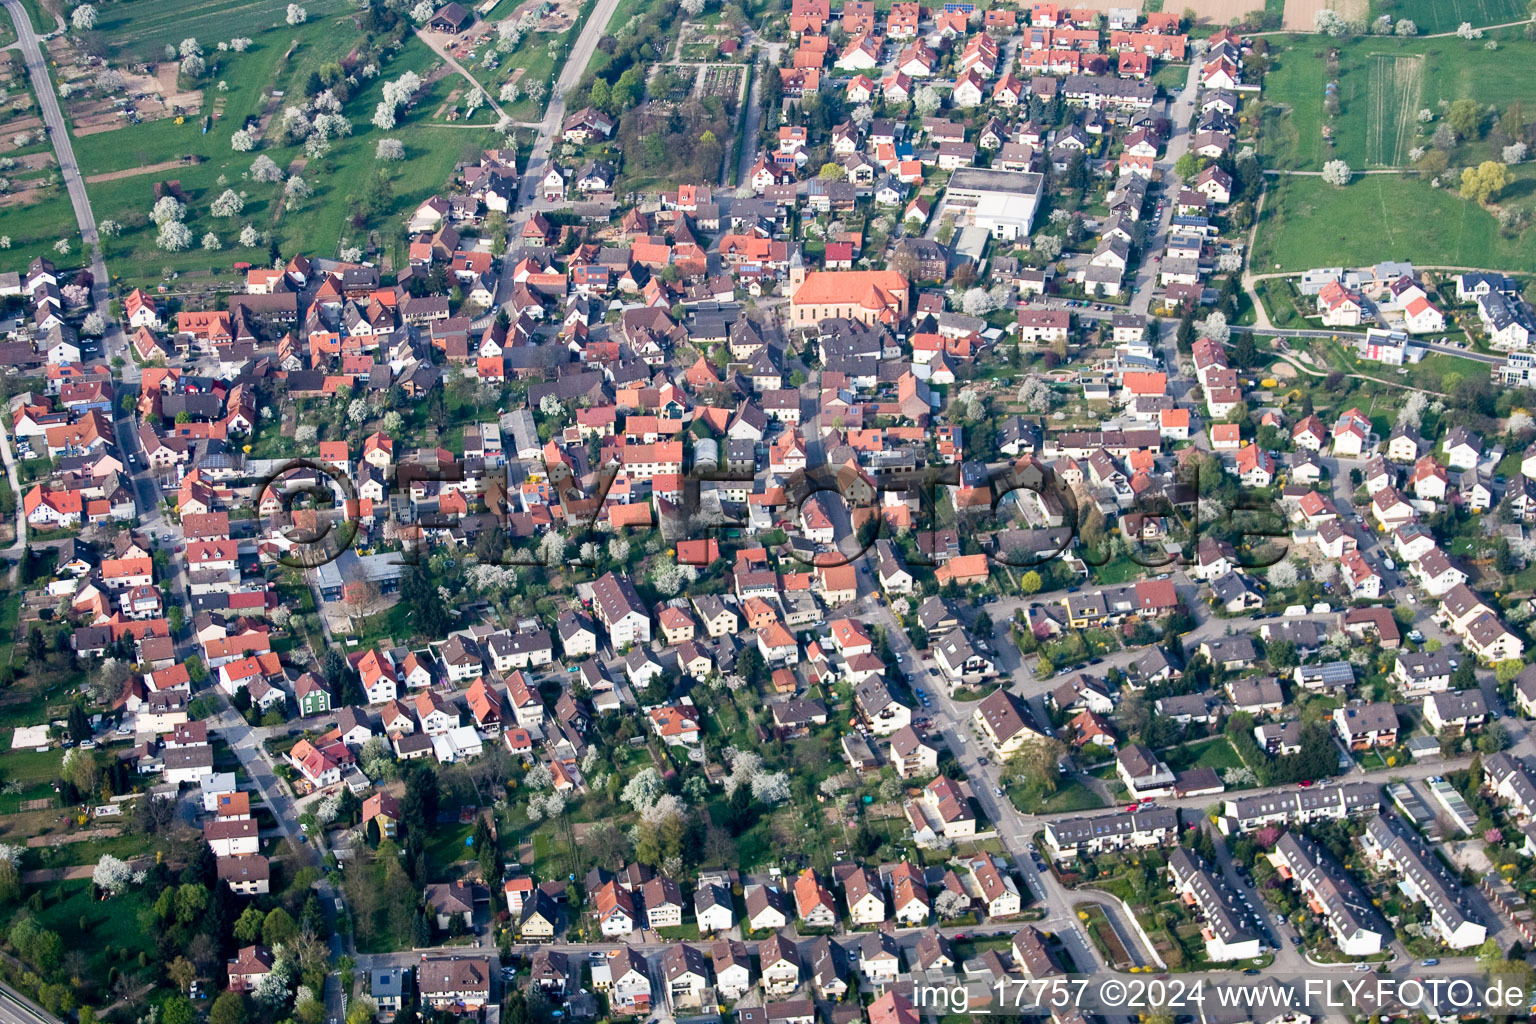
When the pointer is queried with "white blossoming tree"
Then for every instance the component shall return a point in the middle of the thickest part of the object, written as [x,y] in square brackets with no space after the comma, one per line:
[83,17]
[174,236]
[552,548]
[389,149]
[1284,574]
[977,302]
[644,789]
[167,208]
[1330,22]
[265,170]
[1215,327]
[297,15]
[1337,173]
[111,875]
[950,904]
[227,204]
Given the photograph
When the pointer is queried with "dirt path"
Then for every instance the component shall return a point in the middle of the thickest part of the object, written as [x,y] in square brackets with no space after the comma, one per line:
[74,837]
[1281,172]
[1260,314]
[1309,28]
[133,172]
[439,44]
[76,873]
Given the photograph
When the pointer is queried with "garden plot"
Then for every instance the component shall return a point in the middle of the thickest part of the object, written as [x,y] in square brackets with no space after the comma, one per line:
[150,96]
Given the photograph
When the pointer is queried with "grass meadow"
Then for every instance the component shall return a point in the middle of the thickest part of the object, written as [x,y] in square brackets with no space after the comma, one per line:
[1308,223]
[1383,83]
[1444,15]
[280,59]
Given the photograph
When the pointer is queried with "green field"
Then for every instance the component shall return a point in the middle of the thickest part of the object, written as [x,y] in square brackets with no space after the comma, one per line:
[42,21]
[1383,83]
[321,222]
[1444,15]
[141,29]
[33,227]
[1307,223]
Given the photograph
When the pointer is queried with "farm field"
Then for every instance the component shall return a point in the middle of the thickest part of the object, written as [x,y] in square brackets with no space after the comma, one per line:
[1308,223]
[1396,82]
[1444,15]
[432,149]
[1383,83]
[141,29]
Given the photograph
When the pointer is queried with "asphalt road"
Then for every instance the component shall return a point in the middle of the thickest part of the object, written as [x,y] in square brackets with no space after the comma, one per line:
[17,1009]
[74,182]
[549,129]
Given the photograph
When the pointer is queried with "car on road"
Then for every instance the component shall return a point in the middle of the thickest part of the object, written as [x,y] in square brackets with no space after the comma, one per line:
[1361,968]
[1132,808]
[1305,783]
[1431,962]
[997,790]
